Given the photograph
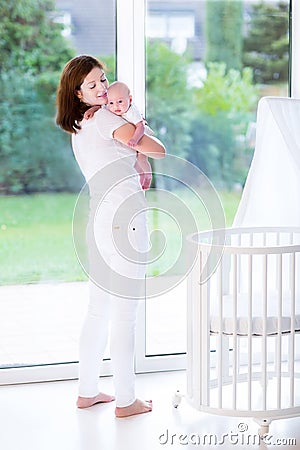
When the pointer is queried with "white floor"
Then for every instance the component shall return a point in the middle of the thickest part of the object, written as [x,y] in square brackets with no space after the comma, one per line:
[43,416]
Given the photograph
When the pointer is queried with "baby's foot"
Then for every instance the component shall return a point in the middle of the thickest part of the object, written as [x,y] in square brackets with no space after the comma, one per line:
[137,407]
[86,402]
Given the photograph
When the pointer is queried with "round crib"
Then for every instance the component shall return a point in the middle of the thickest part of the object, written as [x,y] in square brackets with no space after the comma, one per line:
[243,324]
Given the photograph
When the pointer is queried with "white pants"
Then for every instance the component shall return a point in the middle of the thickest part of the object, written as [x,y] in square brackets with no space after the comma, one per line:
[105,307]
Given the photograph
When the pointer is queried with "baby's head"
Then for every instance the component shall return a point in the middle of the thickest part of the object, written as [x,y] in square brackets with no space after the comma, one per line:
[118,98]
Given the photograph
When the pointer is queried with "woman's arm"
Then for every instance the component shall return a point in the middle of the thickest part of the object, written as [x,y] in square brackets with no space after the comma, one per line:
[148,145]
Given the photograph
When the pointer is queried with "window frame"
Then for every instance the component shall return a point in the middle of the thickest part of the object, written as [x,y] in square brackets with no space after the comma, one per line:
[131,69]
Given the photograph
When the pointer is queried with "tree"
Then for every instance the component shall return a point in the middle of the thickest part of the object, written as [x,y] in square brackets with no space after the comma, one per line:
[30,38]
[226,91]
[267,52]
[224,107]
[168,97]
[223,31]
[35,154]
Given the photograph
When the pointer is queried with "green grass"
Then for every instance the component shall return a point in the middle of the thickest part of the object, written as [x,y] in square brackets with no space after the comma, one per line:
[36,242]
[36,239]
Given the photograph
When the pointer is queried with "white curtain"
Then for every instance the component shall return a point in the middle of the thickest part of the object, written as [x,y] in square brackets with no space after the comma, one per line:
[271,195]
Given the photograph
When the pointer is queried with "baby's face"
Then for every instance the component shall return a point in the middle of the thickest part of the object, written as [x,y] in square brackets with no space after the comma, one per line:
[118,100]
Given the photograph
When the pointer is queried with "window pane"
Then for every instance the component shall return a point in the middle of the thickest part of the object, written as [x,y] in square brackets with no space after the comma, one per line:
[204,79]
[43,289]
[157,26]
[182,26]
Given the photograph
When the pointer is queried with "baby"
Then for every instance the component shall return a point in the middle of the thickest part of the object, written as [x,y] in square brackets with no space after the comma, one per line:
[119,102]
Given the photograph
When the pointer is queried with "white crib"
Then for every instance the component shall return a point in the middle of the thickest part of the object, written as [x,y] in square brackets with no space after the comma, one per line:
[243,324]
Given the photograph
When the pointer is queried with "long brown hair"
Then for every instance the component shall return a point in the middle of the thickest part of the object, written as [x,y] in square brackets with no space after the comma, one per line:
[69,108]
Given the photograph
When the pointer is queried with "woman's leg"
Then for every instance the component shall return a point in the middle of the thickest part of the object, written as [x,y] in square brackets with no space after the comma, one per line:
[94,332]
[122,346]
[122,352]
[92,345]
[123,321]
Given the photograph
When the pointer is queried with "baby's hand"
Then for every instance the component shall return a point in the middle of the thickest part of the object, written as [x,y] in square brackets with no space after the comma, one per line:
[89,113]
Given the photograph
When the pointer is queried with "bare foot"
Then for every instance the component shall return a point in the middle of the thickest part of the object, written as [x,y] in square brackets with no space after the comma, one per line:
[137,407]
[86,402]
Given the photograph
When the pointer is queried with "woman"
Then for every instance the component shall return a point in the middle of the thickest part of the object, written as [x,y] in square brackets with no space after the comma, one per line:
[117,219]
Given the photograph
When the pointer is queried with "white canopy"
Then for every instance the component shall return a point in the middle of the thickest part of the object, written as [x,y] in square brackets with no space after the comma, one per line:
[271,195]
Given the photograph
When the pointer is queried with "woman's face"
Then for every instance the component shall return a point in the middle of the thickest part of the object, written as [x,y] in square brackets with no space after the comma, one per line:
[93,90]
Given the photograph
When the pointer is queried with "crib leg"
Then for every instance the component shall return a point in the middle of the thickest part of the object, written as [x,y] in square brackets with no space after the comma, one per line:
[264,426]
[177,399]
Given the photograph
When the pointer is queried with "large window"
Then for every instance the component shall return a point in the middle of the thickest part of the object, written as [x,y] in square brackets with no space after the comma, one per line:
[207,64]
[203,83]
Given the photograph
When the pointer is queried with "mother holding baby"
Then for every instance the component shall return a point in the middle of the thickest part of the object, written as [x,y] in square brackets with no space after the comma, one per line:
[117,206]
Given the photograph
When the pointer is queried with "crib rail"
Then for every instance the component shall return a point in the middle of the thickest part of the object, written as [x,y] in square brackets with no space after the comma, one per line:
[244,323]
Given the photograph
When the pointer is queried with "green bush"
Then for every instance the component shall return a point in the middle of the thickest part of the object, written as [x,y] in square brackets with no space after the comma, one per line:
[225,105]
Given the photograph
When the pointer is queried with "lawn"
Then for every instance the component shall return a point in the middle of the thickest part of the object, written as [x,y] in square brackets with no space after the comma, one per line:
[36,239]
[36,242]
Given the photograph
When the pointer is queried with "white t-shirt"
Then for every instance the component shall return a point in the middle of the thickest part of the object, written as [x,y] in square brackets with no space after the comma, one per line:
[107,165]
[133,115]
